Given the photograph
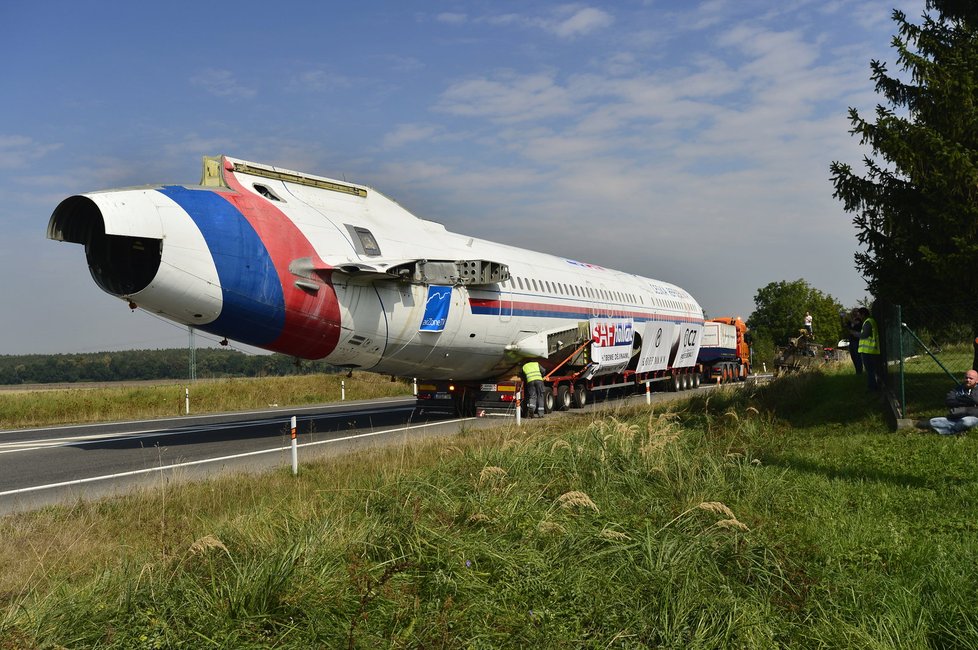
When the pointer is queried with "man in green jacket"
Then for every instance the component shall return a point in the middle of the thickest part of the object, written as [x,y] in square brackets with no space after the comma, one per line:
[534,389]
[869,348]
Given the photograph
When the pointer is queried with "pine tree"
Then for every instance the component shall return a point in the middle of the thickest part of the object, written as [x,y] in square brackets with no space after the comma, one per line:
[916,208]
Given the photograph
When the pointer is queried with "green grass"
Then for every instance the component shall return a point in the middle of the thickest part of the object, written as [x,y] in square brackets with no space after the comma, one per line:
[926,382]
[786,516]
[67,406]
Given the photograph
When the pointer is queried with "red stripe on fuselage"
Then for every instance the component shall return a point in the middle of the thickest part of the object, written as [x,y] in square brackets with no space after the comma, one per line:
[312,320]
[596,312]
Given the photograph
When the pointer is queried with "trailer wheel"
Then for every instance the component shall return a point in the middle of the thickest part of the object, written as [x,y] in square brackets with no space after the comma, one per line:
[675,385]
[696,379]
[579,396]
[548,401]
[563,401]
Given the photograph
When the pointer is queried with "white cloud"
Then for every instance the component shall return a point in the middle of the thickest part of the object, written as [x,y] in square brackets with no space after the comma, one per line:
[580,21]
[707,14]
[221,83]
[564,21]
[318,81]
[510,97]
[21,151]
[451,18]
[404,134]
[735,141]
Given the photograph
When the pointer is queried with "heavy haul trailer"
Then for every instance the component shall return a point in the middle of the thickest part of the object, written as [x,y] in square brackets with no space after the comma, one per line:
[573,371]
[571,377]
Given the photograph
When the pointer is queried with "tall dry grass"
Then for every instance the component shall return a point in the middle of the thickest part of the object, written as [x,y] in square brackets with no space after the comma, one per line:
[712,523]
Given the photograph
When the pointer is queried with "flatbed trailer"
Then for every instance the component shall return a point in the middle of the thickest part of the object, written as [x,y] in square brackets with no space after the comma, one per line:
[564,392]
[572,376]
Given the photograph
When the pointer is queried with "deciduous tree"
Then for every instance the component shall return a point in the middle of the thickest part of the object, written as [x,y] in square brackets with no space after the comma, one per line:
[779,313]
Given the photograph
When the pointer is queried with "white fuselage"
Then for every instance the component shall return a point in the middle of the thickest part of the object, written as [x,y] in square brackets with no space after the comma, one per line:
[320,242]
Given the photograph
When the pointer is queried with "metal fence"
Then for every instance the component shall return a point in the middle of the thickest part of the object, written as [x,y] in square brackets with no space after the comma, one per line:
[923,363]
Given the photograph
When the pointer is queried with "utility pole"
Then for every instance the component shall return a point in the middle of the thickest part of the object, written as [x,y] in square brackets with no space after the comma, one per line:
[193,354]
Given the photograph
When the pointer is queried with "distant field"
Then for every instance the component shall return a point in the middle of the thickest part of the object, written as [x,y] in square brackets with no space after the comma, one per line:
[54,404]
[88,385]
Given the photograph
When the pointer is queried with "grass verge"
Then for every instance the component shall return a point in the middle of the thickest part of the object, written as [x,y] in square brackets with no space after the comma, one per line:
[787,516]
[70,406]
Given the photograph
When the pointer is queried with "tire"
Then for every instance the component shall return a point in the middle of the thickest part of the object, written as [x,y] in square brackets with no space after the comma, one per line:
[563,401]
[548,401]
[697,378]
[675,385]
[580,396]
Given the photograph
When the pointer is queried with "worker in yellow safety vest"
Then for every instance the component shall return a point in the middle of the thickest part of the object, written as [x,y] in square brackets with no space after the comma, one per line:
[534,389]
[869,348]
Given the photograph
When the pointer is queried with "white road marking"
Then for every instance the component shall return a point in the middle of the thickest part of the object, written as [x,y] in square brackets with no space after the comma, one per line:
[162,468]
[34,445]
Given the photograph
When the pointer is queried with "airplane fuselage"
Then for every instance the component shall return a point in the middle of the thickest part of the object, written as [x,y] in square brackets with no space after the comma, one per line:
[324,269]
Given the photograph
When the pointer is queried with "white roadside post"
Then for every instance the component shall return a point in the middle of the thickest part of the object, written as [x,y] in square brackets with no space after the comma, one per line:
[648,392]
[415,386]
[342,390]
[518,420]
[295,450]
[186,399]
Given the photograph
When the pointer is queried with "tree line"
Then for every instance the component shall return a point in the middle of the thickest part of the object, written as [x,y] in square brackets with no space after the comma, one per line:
[131,365]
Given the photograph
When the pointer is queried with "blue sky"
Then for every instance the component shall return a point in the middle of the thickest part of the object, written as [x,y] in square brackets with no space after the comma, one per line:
[684,141]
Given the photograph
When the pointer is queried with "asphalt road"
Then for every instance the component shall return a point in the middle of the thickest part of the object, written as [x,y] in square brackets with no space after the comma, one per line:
[58,464]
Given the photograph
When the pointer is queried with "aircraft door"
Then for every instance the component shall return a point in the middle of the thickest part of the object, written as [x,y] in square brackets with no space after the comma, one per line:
[505,304]
[593,300]
[501,332]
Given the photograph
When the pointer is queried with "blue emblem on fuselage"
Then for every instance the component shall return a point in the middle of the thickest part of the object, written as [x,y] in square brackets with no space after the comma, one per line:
[436,309]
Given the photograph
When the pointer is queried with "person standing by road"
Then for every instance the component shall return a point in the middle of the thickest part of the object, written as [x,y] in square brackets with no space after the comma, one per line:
[962,404]
[808,322]
[869,348]
[534,389]
[853,324]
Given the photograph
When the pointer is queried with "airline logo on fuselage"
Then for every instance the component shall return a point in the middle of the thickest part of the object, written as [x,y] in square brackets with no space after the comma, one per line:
[610,333]
[585,265]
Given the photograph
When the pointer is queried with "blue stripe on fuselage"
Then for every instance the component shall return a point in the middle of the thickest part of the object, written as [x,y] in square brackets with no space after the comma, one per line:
[253,310]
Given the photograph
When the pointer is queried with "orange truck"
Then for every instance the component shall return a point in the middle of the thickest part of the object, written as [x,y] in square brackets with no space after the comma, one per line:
[725,350]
